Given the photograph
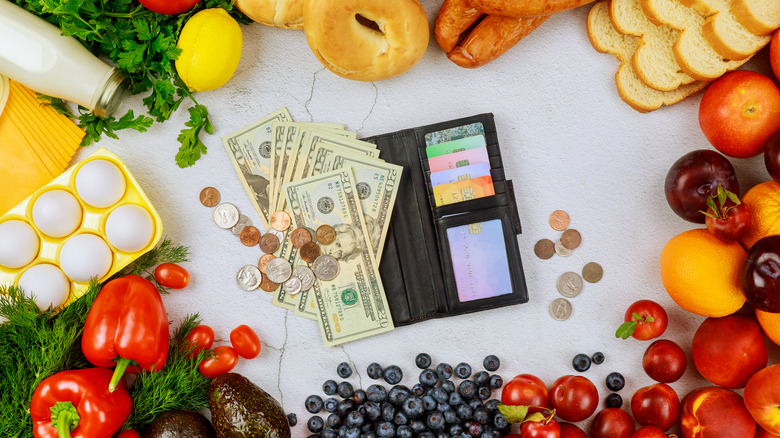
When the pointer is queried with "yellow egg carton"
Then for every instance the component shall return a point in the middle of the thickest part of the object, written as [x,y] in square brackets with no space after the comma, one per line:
[93,221]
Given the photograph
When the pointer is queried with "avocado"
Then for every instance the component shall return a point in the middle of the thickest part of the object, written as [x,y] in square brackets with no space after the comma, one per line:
[179,423]
[241,409]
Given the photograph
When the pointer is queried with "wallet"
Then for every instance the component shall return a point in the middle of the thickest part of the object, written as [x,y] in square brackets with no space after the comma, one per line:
[451,259]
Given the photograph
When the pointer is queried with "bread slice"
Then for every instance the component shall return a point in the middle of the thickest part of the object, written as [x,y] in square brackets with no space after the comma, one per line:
[724,32]
[761,17]
[632,90]
[654,60]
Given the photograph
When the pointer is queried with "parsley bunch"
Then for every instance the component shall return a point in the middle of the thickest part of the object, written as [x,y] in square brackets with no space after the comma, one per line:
[142,44]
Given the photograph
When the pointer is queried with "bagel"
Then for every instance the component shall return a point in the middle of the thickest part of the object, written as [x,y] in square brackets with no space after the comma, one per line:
[366,40]
[286,14]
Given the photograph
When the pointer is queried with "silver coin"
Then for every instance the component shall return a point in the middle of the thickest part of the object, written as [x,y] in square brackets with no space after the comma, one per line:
[249,277]
[243,221]
[293,285]
[560,309]
[569,284]
[561,250]
[277,233]
[226,215]
[278,270]
[326,267]
[306,275]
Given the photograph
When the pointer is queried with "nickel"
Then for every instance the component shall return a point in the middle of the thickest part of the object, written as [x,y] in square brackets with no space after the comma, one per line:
[263,262]
[559,220]
[226,215]
[560,309]
[268,285]
[280,221]
[249,277]
[306,276]
[544,249]
[569,284]
[325,234]
[592,272]
[278,270]
[300,237]
[269,243]
[310,252]
[209,197]
[250,236]
[562,250]
[293,285]
[243,221]
[326,267]
[571,239]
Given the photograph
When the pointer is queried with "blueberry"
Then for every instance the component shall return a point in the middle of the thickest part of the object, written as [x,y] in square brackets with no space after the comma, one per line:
[496,381]
[464,411]
[435,420]
[345,390]
[451,417]
[484,392]
[352,432]
[481,378]
[388,411]
[447,385]
[443,407]
[398,394]
[423,361]
[373,410]
[333,421]
[385,429]
[404,431]
[315,423]
[492,405]
[615,381]
[344,370]
[428,378]
[376,393]
[345,407]
[491,362]
[413,407]
[463,370]
[429,403]
[359,397]
[418,390]
[355,419]
[343,430]
[427,434]
[455,399]
[456,430]
[292,419]
[439,395]
[313,404]
[598,358]
[467,389]
[581,362]
[393,374]
[482,415]
[417,426]
[328,433]
[329,387]
[500,421]
[374,371]
[614,400]
[369,433]
[400,418]
[475,429]
[475,403]
[444,371]
[331,404]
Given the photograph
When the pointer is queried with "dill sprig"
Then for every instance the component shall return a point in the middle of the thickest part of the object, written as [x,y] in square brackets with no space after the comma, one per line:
[166,252]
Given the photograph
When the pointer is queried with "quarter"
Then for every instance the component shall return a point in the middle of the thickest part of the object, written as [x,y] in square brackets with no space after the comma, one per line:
[226,215]
[280,220]
[243,221]
[306,275]
[250,236]
[325,234]
[278,270]
[571,239]
[263,262]
[269,243]
[544,249]
[559,220]
[569,284]
[560,309]
[209,197]
[310,252]
[326,267]
[293,285]
[249,277]
[300,237]
[592,272]
[561,250]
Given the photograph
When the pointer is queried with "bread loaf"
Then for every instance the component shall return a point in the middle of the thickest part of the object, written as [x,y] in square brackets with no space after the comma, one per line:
[286,14]
[761,17]
[724,32]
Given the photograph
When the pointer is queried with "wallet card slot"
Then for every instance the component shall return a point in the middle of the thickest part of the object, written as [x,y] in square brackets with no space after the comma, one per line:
[395,290]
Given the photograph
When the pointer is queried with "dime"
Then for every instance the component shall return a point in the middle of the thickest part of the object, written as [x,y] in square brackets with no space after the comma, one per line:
[326,267]
[561,250]
[325,234]
[226,215]
[559,220]
[249,277]
[263,262]
[300,237]
[310,252]
[544,249]
[209,197]
[243,221]
[306,275]
[280,221]
[293,285]
[569,284]
[571,238]
[592,272]
[560,309]
[250,236]
[268,285]
[278,270]
[269,243]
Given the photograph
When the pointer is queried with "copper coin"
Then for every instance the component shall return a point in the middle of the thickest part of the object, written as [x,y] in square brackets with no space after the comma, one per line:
[209,197]
[250,236]
[325,234]
[263,262]
[300,237]
[269,243]
[592,272]
[559,220]
[268,285]
[544,249]
[310,252]
[280,221]
[571,238]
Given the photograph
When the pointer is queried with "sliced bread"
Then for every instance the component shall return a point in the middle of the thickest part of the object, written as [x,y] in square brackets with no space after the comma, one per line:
[724,32]
[761,17]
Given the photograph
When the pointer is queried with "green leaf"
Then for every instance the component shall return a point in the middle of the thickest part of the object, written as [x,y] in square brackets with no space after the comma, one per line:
[721,196]
[636,316]
[649,318]
[536,416]
[626,329]
[733,197]
[513,414]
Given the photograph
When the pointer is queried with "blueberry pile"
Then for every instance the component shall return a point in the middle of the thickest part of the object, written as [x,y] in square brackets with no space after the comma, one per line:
[437,406]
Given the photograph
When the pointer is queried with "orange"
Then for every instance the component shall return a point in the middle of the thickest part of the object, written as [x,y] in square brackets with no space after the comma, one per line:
[770,324]
[763,202]
[701,273]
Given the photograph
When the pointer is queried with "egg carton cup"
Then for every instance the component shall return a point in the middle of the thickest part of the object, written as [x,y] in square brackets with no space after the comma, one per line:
[93,221]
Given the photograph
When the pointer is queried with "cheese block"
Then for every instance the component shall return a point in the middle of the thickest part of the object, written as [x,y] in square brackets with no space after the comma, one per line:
[5,88]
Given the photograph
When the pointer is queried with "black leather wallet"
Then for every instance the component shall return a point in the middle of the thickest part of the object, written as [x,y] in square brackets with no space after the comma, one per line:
[418,267]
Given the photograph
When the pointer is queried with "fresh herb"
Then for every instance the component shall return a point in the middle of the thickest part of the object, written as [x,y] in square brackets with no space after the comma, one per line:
[166,252]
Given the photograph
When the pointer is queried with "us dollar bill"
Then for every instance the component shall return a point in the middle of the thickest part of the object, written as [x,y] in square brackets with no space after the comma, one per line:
[277,144]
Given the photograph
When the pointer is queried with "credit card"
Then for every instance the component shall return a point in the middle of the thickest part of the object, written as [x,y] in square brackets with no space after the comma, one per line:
[450,147]
[479,260]
[455,133]
[465,190]
[458,159]
[460,173]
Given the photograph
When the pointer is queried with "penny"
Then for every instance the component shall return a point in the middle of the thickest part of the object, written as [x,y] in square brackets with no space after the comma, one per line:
[592,272]
[248,277]
[268,285]
[300,237]
[306,275]
[278,270]
[561,250]
[279,235]
[243,221]
[269,243]
[310,252]
[209,197]
[569,284]
[325,234]
[263,262]
[326,267]
[571,239]
[544,249]
[250,236]
[560,309]
[226,215]
[280,221]
[559,220]
[293,285]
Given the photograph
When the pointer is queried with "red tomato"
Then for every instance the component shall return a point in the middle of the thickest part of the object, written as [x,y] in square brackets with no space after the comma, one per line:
[129,433]
[656,405]
[574,398]
[664,361]
[223,361]
[650,323]
[200,338]
[733,227]
[525,390]
[169,7]
[612,423]
[172,276]
[540,429]
[569,430]
[649,432]
[245,341]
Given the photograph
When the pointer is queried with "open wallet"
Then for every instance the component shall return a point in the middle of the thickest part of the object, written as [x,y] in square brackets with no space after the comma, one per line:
[452,246]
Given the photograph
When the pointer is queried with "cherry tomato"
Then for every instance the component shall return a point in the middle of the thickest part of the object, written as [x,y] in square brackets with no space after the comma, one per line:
[245,341]
[540,429]
[664,361]
[575,398]
[200,338]
[644,320]
[727,217]
[129,433]
[223,361]
[525,390]
[172,276]
[612,423]
[169,7]
[656,405]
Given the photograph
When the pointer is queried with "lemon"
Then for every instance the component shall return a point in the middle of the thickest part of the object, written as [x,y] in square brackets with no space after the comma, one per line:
[210,46]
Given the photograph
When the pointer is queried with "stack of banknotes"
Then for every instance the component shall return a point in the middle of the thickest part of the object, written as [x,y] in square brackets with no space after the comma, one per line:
[320,174]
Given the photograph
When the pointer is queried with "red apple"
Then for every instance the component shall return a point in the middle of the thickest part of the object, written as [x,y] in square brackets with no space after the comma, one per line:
[714,412]
[762,398]
[612,423]
[656,405]
[525,390]
[739,112]
[728,351]
[774,53]
[574,398]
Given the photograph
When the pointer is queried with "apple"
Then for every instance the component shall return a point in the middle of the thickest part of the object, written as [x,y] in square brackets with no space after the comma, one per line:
[612,423]
[569,430]
[694,178]
[525,390]
[761,276]
[664,361]
[774,53]
[574,398]
[762,398]
[656,405]
[714,412]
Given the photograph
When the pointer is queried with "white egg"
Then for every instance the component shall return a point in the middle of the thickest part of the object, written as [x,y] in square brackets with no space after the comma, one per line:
[129,228]
[85,256]
[100,183]
[47,284]
[18,244]
[56,213]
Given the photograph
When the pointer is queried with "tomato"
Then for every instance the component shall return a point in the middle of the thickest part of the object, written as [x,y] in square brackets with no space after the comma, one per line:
[172,276]
[612,423]
[129,433]
[727,217]
[569,430]
[644,320]
[169,7]
[656,405]
[200,338]
[223,361]
[525,390]
[649,432]
[245,341]
[540,429]
[574,398]
[664,361]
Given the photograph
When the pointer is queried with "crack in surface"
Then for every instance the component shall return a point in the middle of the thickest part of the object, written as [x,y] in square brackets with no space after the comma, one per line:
[311,94]
[370,112]
[355,369]
[281,356]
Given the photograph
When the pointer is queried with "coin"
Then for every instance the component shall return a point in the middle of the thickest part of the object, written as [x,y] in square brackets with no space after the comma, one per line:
[306,275]
[544,249]
[560,309]
[293,285]
[209,197]
[250,236]
[268,285]
[592,272]
[263,262]
[248,277]
[310,252]
[269,243]
[279,235]
[559,220]
[561,250]
[278,270]
[569,284]
[226,215]
[325,234]
[280,221]
[326,267]
[243,221]
[300,237]
[571,239]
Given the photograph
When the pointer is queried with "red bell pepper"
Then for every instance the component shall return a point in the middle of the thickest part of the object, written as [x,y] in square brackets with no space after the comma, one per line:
[77,404]
[127,324]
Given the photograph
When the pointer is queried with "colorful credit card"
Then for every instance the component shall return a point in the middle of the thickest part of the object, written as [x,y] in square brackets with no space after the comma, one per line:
[460,173]
[479,260]
[455,133]
[464,190]
[450,147]
[458,159]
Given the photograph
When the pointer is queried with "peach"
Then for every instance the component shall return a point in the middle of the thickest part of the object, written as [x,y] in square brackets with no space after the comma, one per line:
[713,412]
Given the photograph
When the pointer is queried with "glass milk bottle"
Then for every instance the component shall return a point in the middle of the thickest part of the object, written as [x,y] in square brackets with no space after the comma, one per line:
[33,53]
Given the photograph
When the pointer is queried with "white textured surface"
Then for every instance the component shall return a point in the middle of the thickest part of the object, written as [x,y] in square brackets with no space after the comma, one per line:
[568,142]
